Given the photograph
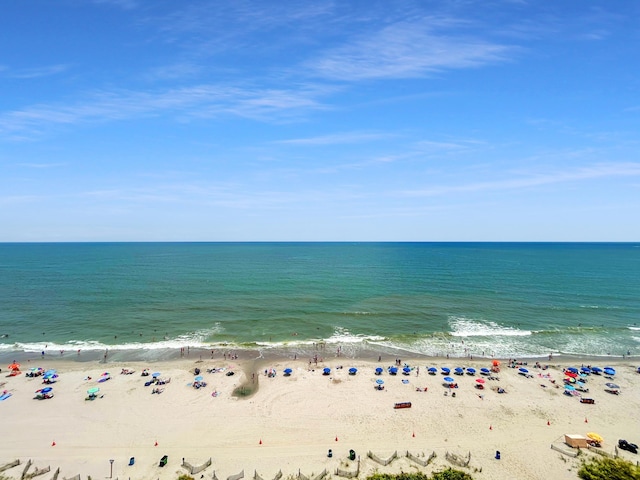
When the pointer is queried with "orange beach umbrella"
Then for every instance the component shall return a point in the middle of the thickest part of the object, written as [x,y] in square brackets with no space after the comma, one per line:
[14,366]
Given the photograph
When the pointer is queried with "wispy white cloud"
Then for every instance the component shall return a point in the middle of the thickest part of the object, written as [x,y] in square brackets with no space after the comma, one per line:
[125,4]
[336,139]
[41,165]
[195,101]
[37,72]
[534,179]
[406,50]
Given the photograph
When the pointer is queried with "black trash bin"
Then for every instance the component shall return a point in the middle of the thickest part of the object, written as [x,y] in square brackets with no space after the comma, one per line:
[164,460]
[497,454]
[330,454]
[352,455]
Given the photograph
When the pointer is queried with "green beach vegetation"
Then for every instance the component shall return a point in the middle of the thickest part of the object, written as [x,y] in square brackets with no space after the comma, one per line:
[609,469]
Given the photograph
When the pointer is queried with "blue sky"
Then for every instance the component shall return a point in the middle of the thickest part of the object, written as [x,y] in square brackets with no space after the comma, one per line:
[134,120]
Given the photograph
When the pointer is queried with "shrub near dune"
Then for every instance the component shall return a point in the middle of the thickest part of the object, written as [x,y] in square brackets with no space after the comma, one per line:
[448,474]
[609,469]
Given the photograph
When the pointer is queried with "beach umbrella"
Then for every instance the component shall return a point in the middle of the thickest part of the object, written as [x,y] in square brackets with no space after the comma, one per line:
[155,374]
[485,371]
[479,380]
[393,370]
[569,380]
[459,370]
[523,370]
[569,387]
[595,437]
[379,371]
[572,370]
[496,363]
[288,371]
[471,371]
[571,374]
[445,370]
[380,381]
[326,371]
[14,366]
[609,371]
[44,390]
[353,371]
[449,380]
[612,385]
[406,370]
[432,370]
[586,370]
[199,378]
[93,391]
[596,370]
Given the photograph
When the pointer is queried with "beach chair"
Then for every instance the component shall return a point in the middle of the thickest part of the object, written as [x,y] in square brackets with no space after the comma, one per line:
[163,461]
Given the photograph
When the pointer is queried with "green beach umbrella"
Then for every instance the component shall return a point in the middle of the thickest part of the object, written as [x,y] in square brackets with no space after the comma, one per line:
[93,391]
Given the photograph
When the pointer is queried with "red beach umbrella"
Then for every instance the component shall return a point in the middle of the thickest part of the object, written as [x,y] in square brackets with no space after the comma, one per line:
[571,374]
[479,380]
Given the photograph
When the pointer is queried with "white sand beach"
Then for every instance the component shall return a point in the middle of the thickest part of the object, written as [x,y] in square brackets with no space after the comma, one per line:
[289,423]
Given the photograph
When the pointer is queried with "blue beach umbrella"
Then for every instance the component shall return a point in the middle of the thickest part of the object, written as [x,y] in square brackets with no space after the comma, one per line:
[586,370]
[379,371]
[155,374]
[432,370]
[406,370]
[471,371]
[485,371]
[288,371]
[612,385]
[326,371]
[199,378]
[393,370]
[445,370]
[523,370]
[459,370]
[609,371]
[353,371]
[569,387]
[449,380]
[380,381]
[44,390]
[572,369]
[596,370]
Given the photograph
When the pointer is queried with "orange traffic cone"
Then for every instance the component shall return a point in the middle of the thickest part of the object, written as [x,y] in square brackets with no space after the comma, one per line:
[585,420]
[413,434]
[548,422]
[155,444]
[260,442]
[490,427]
[53,444]
[336,438]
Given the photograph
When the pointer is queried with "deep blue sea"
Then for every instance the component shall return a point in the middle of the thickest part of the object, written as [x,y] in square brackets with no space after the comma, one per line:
[501,299]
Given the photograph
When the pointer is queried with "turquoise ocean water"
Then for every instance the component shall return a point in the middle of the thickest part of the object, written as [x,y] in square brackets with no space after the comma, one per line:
[502,299]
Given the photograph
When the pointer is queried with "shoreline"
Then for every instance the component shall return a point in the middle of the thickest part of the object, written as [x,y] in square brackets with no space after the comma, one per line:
[282,353]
